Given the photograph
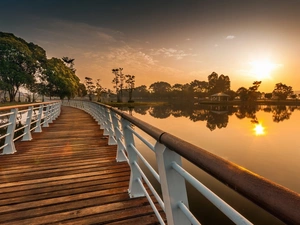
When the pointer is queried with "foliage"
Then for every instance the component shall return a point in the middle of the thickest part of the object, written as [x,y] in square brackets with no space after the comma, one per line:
[99,90]
[282,91]
[20,62]
[160,89]
[141,91]
[218,83]
[118,82]
[242,92]
[59,80]
[249,94]
[268,95]
[130,81]
[90,87]
[69,62]
[81,90]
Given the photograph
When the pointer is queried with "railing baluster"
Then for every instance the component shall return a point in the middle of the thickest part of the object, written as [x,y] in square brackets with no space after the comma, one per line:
[46,116]
[27,136]
[111,135]
[38,128]
[135,190]
[9,140]
[120,156]
[172,185]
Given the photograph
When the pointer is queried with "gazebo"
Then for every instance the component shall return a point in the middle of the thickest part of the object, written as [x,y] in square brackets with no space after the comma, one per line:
[219,97]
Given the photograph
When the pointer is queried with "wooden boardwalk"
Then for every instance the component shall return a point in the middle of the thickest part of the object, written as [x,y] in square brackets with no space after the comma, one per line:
[68,175]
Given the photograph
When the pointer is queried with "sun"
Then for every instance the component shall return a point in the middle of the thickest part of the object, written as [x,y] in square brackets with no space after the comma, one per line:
[262,69]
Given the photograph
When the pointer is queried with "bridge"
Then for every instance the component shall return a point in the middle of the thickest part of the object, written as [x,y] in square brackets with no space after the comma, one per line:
[77,163]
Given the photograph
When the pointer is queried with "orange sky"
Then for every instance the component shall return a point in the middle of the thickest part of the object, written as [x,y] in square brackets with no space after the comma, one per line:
[173,41]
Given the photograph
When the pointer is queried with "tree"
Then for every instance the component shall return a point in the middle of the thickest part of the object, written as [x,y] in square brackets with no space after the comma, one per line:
[200,88]
[69,62]
[130,81]
[98,90]
[282,91]
[90,87]
[212,82]
[19,63]
[59,80]
[122,78]
[268,95]
[242,92]
[141,91]
[160,89]
[249,94]
[218,83]
[252,91]
[116,81]
[81,90]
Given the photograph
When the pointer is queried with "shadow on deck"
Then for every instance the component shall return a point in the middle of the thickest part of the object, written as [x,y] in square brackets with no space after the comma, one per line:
[68,175]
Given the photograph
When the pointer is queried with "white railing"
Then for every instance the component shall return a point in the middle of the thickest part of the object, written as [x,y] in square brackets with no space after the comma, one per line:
[169,150]
[19,121]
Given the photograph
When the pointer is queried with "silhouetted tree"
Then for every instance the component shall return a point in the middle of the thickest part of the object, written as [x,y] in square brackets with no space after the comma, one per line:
[242,92]
[90,86]
[268,95]
[218,83]
[160,89]
[98,90]
[280,113]
[130,81]
[141,92]
[282,91]
[199,88]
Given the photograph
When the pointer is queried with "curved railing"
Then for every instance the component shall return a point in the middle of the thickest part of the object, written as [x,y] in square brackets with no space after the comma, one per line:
[19,121]
[120,128]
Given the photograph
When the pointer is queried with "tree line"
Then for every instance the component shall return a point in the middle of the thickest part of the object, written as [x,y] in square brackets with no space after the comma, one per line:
[25,65]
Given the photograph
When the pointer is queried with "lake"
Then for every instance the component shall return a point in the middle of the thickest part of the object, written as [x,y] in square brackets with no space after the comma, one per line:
[260,138]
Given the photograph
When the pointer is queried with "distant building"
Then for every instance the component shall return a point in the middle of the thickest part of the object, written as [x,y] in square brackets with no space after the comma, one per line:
[219,97]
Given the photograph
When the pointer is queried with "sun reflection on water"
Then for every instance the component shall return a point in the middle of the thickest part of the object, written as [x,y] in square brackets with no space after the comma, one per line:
[259,129]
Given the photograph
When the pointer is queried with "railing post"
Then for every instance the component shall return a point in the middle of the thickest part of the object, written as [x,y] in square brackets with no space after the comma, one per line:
[57,107]
[111,138]
[135,189]
[38,128]
[51,113]
[46,116]
[102,118]
[105,123]
[172,185]
[115,122]
[27,134]
[9,140]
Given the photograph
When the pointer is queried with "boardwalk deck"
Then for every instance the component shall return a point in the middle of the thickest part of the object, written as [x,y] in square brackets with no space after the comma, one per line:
[68,175]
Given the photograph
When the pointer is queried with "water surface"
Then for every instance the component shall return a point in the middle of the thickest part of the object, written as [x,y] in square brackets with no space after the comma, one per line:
[263,139]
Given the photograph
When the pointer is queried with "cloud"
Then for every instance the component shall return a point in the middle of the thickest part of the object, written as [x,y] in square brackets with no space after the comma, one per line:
[230,37]
[171,52]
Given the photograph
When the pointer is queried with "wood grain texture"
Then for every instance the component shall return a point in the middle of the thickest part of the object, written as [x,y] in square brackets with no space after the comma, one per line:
[68,175]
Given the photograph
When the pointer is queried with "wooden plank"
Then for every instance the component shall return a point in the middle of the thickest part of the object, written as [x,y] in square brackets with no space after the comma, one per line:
[68,174]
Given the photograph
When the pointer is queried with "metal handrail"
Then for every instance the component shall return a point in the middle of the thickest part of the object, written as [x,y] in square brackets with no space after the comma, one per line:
[274,198]
[47,112]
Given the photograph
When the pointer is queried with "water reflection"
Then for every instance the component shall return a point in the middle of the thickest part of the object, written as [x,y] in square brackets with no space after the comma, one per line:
[259,129]
[217,116]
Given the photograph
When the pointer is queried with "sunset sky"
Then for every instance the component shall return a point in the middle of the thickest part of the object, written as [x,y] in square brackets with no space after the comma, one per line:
[162,40]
